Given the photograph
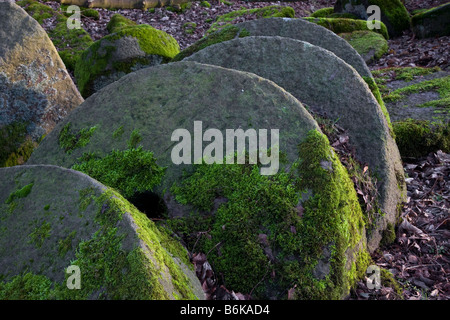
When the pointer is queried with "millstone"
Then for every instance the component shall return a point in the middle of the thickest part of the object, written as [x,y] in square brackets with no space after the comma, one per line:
[328,85]
[54,218]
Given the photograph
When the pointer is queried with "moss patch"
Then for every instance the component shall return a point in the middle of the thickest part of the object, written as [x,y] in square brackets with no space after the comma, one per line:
[117,22]
[266,220]
[17,146]
[370,45]
[322,13]
[341,25]
[417,138]
[97,60]
[266,12]
[70,141]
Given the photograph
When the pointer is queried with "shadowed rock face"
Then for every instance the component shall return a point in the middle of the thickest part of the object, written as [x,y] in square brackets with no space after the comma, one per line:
[52,218]
[35,87]
[326,84]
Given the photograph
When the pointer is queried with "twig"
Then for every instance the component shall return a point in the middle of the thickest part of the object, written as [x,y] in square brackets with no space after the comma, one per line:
[220,242]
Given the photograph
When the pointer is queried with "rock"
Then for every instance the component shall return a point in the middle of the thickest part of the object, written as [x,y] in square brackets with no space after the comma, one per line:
[329,86]
[393,13]
[119,252]
[36,92]
[117,22]
[156,101]
[264,12]
[341,25]
[370,45]
[70,43]
[290,28]
[127,50]
[432,22]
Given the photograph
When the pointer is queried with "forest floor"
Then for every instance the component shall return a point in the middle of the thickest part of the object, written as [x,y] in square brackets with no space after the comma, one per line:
[419,257]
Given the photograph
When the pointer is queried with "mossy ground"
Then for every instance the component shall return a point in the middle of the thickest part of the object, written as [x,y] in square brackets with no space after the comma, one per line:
[266,12]
[367,42]
[342,25]
[96,61]
[417,138]
[297,230]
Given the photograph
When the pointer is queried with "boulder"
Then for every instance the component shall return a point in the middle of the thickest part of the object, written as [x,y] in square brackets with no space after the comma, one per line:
[328,85]
[127,50]
[36,91]
[370,45]
[393,13]
[57,223]
[310,203]
[433,22]
[290,28]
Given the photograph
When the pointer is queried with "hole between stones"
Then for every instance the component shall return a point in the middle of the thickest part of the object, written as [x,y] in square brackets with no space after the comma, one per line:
[150,203]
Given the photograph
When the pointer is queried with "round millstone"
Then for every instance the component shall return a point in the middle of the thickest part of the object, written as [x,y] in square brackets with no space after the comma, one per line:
[55,220]
[330,86]
[303,30]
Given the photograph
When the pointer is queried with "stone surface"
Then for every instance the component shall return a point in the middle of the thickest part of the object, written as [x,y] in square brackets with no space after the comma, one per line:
[393,13]
[156,101]
[327,85]
[370,45]
[52,218]
[291,28]
[433,22]
[127,50]
[35,88]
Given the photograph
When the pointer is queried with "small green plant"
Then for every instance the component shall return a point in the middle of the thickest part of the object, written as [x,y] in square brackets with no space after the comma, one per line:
[70,141]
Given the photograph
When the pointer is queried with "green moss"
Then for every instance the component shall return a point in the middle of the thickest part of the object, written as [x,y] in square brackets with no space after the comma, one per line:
[254,205]
[70,141]
[342,15]
[405,74]
[265,12]
[388,237]
[367,41]
[19,193]
[417,138]
[118,133]
[117,22]
[388,280]
[205,4]
[189,27]
[17,146]
[26,287]
[130,171]
[96,61]
[37,10]
[90,13]
[39,234]
[395,12]
[341,25]
[322,13]
[439,85]
[224,34]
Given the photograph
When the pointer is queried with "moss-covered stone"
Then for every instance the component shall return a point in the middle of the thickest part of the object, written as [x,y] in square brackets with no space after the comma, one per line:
[117,22]
[127,50]
[120,252]
[393,13]
[265,12]
[432,22]
[301,227]
[342,25]
[370,45]
[322,13]
[417,138]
